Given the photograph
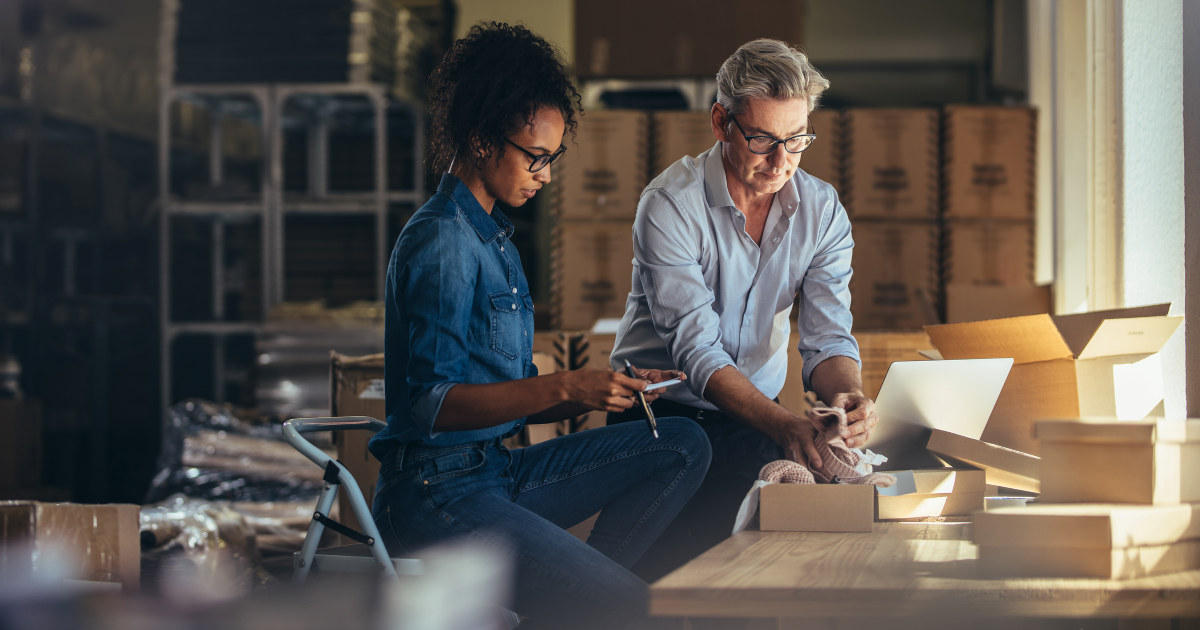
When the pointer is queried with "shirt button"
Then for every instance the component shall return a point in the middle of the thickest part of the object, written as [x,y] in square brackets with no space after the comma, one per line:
[514,289]
[776,239]
[501,248]
[514,307]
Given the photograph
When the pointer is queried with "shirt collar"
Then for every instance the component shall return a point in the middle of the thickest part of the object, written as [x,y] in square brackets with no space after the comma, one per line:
[716,187]
[491,227]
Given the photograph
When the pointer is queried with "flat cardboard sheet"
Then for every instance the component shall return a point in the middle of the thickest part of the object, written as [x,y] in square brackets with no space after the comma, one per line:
[1107,564]
[1088,525]
[1002,466]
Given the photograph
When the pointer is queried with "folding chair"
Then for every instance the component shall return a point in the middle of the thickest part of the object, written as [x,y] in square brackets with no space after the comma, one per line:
[368,553]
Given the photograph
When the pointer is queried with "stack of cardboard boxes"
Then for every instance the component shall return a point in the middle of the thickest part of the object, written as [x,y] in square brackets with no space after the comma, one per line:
[596,190]
[891,194]
[1120,500]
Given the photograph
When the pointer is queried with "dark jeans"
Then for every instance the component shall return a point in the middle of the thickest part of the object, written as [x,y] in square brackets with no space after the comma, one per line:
[738,453]
[521,500]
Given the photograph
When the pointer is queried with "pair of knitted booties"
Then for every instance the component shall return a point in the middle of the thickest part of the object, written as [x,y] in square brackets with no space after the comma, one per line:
[839,463]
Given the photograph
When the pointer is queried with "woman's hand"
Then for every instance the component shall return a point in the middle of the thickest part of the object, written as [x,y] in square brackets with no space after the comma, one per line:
[604,390]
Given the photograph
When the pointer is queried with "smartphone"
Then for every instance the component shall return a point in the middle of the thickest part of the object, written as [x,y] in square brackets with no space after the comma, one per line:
[661,384]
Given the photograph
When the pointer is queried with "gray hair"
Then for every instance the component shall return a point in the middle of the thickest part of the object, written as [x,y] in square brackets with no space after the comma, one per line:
[768,69]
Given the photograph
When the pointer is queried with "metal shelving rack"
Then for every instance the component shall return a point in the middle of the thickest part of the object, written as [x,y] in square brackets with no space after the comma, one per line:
[271,205]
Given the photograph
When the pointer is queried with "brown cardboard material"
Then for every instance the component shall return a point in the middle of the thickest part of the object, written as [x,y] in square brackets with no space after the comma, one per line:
[604,171]
[1121,563]
[97,543]
[895,275]
[879,349]
[937,492]
[1102,363]
[1088,525]
[591,272]
[971,303]
[988,161]
[677,134]
[627,39]
[794,507]
[988,252]
[891,163]
[1104,460]
[357,390]
[823,159]
[1002,466]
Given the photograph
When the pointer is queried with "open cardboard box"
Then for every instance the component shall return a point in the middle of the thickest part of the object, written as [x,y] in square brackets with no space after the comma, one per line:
[1104,541]
[855,507]
[1102,363]
[73,542]
[1106,460]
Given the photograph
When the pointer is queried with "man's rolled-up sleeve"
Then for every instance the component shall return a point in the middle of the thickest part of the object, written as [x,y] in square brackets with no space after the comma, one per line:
[667,249]
[824,320]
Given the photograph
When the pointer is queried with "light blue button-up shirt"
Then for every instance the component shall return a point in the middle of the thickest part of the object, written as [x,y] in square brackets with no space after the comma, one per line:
[705,295]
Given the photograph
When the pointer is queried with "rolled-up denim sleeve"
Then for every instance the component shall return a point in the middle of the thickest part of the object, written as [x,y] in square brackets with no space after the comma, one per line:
[437,284]
[824,320]
[667,247]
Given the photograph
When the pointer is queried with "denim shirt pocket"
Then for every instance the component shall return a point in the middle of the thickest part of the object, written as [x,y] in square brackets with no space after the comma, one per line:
[507,324]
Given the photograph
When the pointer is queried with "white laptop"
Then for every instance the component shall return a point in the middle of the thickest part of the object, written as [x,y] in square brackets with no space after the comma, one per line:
[952,395]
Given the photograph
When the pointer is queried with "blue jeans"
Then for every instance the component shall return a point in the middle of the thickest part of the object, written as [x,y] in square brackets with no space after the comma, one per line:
[522,500]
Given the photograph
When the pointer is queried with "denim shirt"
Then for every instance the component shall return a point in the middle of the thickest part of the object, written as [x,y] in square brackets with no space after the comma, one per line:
[457,310]
[705,295]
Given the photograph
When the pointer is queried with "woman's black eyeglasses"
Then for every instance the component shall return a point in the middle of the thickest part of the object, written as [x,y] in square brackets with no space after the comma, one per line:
[539,162]
[763,145]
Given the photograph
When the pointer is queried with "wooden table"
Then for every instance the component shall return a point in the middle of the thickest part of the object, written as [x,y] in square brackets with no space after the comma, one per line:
[924,571]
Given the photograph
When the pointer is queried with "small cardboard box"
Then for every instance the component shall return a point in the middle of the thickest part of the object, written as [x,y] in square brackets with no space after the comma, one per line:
[988,161]
[1102,363]
[823,159]
[1088,540]
[988,252]
[96,543]
[821,507]
[1001,466]
[604,171]
[1105,460]
[677,134]
[932,492]
[891,163]
[895,280]
[591,272]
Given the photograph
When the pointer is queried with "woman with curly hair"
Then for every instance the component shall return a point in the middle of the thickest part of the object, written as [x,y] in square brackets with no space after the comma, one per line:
[460,377]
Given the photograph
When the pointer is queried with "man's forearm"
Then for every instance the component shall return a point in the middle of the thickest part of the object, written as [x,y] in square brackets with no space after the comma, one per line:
[836,375]
[736,396]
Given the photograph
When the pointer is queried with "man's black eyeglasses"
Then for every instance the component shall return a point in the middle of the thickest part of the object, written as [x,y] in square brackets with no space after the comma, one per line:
[539,162]
[763,145]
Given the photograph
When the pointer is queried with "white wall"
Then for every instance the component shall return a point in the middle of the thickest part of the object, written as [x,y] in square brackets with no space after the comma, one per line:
[1152,226]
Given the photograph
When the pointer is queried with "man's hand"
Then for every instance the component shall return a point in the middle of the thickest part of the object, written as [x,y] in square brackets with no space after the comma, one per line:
[860,417]
[657,376]
[796,438]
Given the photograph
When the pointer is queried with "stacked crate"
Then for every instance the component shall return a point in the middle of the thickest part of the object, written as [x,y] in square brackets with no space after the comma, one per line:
[988,165]
[596,190]
[823,159]
[890,190]
[676,134]
[1119,500]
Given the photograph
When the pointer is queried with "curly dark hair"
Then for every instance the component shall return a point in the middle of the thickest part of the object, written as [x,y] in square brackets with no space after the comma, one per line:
[490,84]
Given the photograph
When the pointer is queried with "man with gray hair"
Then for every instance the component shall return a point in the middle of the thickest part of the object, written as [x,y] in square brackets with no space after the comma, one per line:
[724,243]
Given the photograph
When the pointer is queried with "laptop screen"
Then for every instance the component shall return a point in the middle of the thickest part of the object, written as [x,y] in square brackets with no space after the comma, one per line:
[953,395]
